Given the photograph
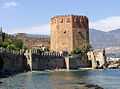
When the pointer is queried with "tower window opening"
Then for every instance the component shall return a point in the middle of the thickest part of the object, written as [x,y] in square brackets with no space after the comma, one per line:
[64,32]
[68,20]
[61,20]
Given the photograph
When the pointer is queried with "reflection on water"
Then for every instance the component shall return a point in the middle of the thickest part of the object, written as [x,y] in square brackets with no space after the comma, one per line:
[109,79]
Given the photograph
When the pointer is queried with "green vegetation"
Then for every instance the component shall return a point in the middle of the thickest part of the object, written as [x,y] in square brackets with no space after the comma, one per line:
[11,42]
[76,51]
[81,50]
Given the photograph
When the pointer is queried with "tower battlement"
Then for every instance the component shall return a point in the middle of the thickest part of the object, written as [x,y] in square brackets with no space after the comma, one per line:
[75,20]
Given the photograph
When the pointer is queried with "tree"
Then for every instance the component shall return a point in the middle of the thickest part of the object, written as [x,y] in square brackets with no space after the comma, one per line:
[11,46]
[5,44]
[12,43]
[18,43]
[76,51]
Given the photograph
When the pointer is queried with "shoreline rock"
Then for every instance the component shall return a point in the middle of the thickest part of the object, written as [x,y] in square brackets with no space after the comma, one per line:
[93,86]
[87,86]
[77,85]
[1,82]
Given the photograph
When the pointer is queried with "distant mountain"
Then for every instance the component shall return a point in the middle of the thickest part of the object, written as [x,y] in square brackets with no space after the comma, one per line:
[116,33]
[101,39]
[37,36]
[31,35]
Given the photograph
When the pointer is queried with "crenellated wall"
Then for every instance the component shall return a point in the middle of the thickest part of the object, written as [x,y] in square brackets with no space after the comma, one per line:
[45,60]
[54,60]
[35,60]
[12,61]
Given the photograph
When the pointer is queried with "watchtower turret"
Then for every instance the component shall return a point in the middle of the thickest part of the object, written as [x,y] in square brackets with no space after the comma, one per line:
[69,32]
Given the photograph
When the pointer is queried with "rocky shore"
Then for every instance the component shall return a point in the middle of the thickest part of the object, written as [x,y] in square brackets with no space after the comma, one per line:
[79,85]
[113,64]
[87,86]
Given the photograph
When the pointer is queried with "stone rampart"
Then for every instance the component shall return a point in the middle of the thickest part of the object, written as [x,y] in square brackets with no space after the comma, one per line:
[19,61]
[46,61]
[55,60]
[12,61]
[79,61]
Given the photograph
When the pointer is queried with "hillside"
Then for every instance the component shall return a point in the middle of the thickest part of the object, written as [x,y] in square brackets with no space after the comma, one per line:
[101,39]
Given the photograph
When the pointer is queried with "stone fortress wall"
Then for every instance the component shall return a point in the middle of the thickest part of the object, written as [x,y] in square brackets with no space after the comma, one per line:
[55,60]
[34,41]
[20,61]
[12,61]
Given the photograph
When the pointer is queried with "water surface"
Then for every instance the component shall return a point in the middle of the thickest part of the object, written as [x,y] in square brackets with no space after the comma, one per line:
[108,79]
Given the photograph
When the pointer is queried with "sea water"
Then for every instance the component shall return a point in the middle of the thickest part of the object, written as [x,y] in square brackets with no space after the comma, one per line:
[108,79]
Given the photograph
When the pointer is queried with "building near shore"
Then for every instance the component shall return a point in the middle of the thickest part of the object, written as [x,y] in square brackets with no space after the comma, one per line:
[69,32]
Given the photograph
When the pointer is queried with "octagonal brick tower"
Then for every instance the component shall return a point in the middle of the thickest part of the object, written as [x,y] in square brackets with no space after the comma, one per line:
[69,32]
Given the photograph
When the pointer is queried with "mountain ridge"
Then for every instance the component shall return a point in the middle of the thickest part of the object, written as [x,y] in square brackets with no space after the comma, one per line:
[101,39]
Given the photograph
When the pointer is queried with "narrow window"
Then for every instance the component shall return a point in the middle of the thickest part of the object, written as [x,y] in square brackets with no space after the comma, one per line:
[68,20]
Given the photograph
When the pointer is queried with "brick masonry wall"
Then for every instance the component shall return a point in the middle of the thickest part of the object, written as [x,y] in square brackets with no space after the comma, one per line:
[69,32]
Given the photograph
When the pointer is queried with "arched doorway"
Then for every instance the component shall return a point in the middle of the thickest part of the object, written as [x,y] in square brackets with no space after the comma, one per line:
[1,63]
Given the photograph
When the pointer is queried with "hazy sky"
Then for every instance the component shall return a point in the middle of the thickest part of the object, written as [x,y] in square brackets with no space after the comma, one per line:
[33,16]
